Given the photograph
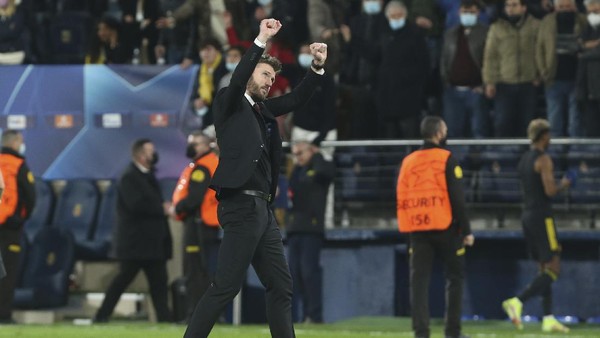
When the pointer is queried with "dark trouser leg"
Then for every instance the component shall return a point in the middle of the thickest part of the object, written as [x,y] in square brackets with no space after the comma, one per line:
[243,227]
[272,269]
[127,271]
[421,259]
[526,107]
[547,300]
[294,243]
[156,273]
[10,246]
[452,252]
[193,269]
[312,277]
[505,110]
[592,118]
[537,287]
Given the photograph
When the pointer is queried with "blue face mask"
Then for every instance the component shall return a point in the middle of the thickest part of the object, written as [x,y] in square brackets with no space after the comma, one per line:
[231,66]
[468,19]
[304,60]
[372,7]
[264,2]
[396,24]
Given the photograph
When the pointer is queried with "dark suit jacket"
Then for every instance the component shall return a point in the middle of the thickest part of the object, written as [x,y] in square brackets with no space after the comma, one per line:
[238,132]
[142,228]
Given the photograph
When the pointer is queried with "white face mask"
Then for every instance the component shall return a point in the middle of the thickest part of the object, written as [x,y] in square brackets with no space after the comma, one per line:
[304,60]
[593,19]
[264,2]
[22,149]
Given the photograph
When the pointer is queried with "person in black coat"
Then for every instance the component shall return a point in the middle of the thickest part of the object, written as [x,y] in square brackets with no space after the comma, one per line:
[246,179]
[309,183]
[403,69]
[142,237]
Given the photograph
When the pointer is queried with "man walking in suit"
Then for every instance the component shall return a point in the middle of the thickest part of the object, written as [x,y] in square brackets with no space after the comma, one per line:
[142,238]
[246,180]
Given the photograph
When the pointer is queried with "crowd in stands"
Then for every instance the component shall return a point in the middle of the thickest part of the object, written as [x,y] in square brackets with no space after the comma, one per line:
[488,67]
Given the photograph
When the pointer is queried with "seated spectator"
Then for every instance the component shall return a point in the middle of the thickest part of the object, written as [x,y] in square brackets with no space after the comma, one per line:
[109,48]
[12,33]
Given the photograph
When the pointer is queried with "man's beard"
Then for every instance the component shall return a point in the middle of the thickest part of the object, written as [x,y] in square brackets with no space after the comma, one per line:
[255,92]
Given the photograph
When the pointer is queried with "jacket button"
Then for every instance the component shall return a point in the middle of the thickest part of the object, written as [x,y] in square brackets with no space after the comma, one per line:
[254,161]
[262,145]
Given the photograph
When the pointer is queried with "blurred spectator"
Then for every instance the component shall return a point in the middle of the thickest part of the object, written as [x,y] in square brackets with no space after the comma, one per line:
[426,14]
[232,58]
[403,68]
[12,33]
[556,57]
[309,183]
[465,107]
[326,24]
[139,28]
[108,46]
[358,75]
[588,79]
[450,11]
[208,16]
[142,237]
[212,69]
[276,9]
[509,70]
[315,121]
[176,43]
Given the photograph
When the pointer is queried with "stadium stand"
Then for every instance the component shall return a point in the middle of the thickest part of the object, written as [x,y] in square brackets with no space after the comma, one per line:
[42,212]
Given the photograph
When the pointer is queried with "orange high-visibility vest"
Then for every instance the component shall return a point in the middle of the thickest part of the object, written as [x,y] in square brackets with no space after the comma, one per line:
[422,199]
[208,208]
[10,166]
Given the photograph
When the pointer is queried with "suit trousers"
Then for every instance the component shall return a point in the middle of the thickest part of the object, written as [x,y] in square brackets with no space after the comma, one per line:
[10,247]
[250,236]
[448,245]
[156,274]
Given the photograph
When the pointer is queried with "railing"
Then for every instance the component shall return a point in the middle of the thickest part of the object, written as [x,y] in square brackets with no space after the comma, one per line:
[365,183]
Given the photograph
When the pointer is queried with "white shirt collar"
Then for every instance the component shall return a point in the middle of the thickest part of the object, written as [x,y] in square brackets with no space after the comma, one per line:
[249,98]
[141,167]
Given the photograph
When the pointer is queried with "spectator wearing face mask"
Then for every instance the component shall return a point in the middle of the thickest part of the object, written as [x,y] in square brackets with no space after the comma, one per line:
[556,56]
[465,107]
[358,74]
[403,59]
[232,57]
[315,121]
[212,69]
[588,78]
[510,73]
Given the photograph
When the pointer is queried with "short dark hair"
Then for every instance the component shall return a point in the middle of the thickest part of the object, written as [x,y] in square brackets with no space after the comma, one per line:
[271,61]
[210,41]
[471,3]
[521,2]
[430,126]
[239,48]
[138,145]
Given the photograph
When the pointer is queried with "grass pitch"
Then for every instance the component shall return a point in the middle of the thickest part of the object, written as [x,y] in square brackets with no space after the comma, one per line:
[355,328]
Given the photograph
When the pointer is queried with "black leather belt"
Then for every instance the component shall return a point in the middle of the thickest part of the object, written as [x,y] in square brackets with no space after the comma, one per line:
[256,193]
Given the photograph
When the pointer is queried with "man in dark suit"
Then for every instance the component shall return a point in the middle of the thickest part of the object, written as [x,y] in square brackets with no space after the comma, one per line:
[246,180]
[142,237]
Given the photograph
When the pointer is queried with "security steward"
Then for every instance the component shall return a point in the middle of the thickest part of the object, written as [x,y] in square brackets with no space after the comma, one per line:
[18,201]
[196,205]
[431,208]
